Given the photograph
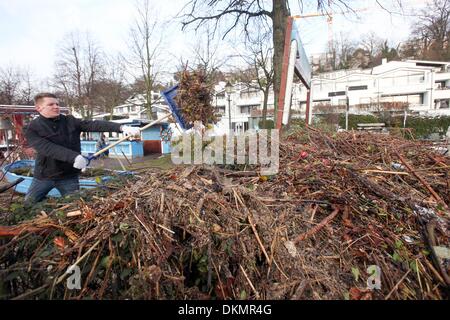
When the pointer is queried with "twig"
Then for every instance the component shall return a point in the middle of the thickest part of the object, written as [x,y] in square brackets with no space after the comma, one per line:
[315,229]
[398,283]
[250,220]
[249,282]
[313,213]
[162,227]
[218,278]
[387,172]
[30,293]
[429,188]
[10,185]
[126,158]
[61,278]
[161,209]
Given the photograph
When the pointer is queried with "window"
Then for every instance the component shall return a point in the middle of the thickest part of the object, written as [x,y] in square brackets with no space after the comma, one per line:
[220,110]
[442,104]
[352,88]
[337,93]
[245,110]
[416,78]
[249,94]
[414,99]
[440,84]
[342,102]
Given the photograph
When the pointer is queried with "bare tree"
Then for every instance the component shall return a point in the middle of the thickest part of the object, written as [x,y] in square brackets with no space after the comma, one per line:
[430,39]
[27,90]
[344,49]
[251,14]
[111,89]
[10,82]
[79,65]
[145,50]
[372,44]
[207,56]
[260,74]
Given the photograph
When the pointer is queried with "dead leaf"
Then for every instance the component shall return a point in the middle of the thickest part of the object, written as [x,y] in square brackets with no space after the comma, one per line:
[60,243]
[360,294]
[290,246]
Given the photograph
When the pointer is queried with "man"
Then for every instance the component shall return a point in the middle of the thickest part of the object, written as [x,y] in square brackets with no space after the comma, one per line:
[56,139]
[101,143]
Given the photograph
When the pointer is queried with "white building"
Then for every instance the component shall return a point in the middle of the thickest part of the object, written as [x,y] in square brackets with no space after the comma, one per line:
[424,85]
[242,108]
[134,107]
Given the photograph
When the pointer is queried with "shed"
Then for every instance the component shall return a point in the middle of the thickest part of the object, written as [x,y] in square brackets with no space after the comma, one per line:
[156,139]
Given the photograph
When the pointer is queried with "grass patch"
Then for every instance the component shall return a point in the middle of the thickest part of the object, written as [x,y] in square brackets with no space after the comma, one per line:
[163,163]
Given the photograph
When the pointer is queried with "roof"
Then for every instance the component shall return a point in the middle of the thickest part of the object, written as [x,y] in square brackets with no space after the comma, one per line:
[429,62]
[136,122]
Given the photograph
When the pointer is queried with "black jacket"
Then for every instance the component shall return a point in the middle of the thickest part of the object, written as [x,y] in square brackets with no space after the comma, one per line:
[57,143]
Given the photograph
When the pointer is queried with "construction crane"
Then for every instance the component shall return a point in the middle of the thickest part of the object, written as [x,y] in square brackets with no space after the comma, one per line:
[329,16]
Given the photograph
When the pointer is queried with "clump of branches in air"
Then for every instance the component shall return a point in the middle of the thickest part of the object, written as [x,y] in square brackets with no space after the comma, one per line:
[194,97]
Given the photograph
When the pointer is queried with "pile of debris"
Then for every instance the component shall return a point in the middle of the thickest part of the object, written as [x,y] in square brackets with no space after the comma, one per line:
[194,96]
[354,216]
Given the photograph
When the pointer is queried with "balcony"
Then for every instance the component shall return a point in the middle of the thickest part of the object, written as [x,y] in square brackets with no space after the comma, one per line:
[443,93]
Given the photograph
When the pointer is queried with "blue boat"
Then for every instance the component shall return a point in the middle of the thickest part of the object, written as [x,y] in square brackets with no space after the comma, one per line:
[25,185]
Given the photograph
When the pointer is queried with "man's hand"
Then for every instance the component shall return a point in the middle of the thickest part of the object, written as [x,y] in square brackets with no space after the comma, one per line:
[81,162]
[131,131]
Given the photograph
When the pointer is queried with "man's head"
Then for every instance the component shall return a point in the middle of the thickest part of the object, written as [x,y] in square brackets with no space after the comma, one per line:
[47,105]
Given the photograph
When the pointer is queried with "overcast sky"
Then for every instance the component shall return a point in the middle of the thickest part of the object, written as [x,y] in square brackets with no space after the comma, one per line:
[31,30]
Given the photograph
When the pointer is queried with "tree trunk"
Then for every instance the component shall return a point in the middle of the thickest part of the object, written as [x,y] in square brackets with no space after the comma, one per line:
[264,110]
[280,14]
[149,101]
[83,112]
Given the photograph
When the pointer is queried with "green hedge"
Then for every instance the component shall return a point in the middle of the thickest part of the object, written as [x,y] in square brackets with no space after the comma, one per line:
[269,124]
[354,119]
[422,127]
[426,126]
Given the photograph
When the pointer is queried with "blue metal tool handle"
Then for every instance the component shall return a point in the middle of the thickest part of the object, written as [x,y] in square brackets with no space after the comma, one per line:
[90,158]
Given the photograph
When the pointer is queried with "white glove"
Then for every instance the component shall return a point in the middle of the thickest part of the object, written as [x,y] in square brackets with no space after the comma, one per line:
[80,162]
[131,131]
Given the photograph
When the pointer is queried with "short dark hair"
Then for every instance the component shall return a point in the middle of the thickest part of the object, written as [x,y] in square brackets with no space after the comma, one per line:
[40,96]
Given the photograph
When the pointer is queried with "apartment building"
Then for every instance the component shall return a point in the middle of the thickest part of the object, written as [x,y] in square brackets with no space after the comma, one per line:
[423,85]
[242,109]
[134,107]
